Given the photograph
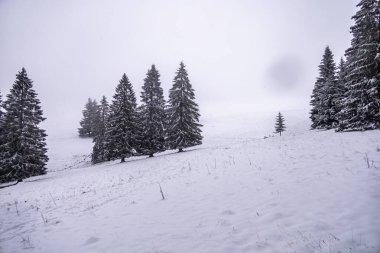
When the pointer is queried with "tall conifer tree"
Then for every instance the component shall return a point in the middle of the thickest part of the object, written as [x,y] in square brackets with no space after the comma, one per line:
[122,135]
[1,124]
[99,148]
[183,128]
[342,73]
[326,94]
[361,102]
[23,147]
[1,107]
[152,114]
[88,123]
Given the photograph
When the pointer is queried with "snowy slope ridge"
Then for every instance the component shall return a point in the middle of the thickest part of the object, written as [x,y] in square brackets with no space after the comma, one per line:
[307,191]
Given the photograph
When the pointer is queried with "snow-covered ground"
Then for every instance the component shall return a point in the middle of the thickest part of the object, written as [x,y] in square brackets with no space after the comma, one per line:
[306,191]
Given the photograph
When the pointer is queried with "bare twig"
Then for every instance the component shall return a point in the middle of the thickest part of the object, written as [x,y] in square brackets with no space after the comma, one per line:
[162,193]
[26,242]
[16,207]
[366,159]
[52,199]
[44,218]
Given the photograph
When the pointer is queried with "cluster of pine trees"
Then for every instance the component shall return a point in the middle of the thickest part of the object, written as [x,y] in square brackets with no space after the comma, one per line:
[22,141]
[124,129]
[348,97]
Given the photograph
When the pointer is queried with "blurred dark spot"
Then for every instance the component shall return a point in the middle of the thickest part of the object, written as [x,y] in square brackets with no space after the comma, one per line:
[283,75]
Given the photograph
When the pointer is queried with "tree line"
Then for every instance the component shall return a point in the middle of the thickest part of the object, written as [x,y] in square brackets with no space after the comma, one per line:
[347,97]
[124,129]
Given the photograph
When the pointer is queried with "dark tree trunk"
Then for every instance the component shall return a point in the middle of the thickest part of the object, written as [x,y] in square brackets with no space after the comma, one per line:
[180,150]
[122,160]
[151,155]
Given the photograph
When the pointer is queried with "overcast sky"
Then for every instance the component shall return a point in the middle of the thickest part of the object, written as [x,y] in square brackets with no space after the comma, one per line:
[242,56]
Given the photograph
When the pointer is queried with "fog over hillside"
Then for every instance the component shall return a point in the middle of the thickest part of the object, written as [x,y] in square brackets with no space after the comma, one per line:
[189,126]
[242,56]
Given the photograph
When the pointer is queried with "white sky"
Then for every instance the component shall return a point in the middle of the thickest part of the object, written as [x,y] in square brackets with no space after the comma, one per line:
[242,56]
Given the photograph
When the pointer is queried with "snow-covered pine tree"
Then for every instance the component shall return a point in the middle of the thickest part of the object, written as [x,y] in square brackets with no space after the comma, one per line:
[122,134]
[183,128]
[99,148]
[361,101]
[341,77]
[140,136]
[326,94]
[152,114]
[23,147]
[1,107]
[1,125]
[109,144]
[342,73]
[279,126]
[88,122]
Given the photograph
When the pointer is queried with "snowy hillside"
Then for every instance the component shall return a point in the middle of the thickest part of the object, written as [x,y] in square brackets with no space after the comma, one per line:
[307,191]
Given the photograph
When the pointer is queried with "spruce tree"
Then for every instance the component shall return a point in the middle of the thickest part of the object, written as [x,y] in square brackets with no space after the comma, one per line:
[183,129]
[88,122]
[1,108]
[1,125]
[122,135]
[140,136]
[23,147]
[342,73]
[326,94]
[99,148]
[152,114]
[361,102]
[279,126]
